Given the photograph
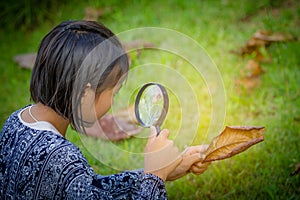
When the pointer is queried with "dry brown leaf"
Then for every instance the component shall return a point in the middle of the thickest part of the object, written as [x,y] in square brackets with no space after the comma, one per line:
[253,68]
[254,44]
[275,37]
[93,14]
[127,114]
[137,46]
[261,39]
[113,128]
[248,83]
[263,57]
[25,60]
[250,75]
[233,140]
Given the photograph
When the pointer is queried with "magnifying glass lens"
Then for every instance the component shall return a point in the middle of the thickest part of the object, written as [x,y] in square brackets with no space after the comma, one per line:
[151,105]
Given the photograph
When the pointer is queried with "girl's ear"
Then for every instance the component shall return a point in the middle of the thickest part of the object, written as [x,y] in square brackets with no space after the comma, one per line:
[87,90]
[88,105]
[88,97]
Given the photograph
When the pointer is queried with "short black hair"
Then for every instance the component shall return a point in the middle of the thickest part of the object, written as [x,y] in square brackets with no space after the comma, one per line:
[70,56]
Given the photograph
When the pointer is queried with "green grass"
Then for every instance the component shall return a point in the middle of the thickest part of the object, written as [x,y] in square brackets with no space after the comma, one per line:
[262,172]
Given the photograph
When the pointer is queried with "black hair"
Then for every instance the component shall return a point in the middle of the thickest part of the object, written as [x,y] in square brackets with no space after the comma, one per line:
[70,56]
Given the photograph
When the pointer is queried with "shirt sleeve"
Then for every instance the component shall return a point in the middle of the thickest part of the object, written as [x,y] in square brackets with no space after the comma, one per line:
[126,185]
[152,187]
[132,185]
[83,183]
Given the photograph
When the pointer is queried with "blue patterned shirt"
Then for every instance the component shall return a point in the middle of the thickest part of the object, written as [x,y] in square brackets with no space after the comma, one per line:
[42,164]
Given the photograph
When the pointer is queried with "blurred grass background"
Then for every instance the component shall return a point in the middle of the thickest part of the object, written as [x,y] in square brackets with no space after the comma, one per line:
[263,171]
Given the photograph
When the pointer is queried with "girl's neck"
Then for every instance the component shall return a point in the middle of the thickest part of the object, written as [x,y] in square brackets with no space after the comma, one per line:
[41,112]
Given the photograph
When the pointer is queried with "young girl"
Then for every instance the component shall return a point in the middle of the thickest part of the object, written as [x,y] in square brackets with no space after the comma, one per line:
[79,67]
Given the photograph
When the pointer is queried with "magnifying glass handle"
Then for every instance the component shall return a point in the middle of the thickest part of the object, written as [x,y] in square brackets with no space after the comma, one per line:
[157,130]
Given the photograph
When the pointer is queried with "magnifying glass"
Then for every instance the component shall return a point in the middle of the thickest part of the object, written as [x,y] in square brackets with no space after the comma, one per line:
[151,105]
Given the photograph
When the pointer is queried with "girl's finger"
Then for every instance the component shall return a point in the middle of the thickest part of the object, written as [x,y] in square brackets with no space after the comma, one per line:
[164,133]
[198,170]
[196,149]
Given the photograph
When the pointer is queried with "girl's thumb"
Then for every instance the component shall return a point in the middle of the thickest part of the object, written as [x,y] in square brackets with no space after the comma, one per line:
[165,133]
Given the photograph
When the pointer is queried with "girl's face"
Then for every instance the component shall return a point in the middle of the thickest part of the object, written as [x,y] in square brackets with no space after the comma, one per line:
[104,102]
[94,108]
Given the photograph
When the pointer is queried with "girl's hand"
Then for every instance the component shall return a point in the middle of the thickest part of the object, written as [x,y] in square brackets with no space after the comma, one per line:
[161,156]
[191,162]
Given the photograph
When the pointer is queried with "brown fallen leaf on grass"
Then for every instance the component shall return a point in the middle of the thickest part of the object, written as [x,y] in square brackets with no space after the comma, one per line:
[261,39]
[137,44]
[116,127]
[248,83]
[257,46]
[112,128]
[250,75]
[127,114]
[233,140]
[137,47]
[93,14]
[252,68]
[275,37]
[25,60]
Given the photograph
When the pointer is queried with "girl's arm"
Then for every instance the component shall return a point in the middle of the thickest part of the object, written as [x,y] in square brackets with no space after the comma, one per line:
[161,158]
[81,182]
[131,185]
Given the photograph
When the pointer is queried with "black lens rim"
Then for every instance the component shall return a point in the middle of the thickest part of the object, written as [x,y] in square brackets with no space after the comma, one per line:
[165,106]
